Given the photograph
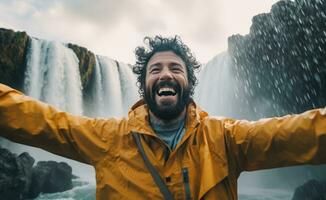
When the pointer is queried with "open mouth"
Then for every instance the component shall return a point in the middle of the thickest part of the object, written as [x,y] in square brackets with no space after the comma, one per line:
[166,91]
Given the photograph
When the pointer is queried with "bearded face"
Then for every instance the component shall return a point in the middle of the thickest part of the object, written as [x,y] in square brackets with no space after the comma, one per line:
[166,87]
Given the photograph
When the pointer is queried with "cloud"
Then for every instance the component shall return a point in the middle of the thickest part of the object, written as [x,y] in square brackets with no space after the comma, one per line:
[114,28]
[107,14]
[101,12]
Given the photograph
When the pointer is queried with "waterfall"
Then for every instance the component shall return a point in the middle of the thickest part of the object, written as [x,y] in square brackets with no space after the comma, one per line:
[216,79]
[128,86]
[94,105]
[52,75]
[218,92]
[114,89]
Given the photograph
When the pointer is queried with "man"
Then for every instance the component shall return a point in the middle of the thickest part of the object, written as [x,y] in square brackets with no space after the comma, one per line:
[167,147]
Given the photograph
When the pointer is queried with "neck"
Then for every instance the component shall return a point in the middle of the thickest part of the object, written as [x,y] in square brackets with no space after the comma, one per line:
[170,122]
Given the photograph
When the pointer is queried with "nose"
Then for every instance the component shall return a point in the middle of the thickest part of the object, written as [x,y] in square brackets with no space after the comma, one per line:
[166,74]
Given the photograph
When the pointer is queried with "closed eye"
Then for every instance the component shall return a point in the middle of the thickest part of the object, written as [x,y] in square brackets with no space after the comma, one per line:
[177,68]
[154,70]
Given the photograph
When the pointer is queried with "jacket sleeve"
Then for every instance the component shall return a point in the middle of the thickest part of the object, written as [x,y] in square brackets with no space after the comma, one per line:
[277,142]
[31,122]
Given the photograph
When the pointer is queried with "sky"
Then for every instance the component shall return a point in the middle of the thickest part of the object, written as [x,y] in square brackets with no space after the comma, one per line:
[114,28]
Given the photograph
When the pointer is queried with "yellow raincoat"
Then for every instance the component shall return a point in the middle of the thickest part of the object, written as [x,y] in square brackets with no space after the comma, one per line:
[214,150]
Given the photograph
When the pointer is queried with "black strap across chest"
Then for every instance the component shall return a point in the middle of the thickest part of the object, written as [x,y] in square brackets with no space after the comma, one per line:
[157,179]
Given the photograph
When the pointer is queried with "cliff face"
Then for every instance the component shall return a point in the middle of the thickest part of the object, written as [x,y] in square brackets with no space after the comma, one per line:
[13,49]
[283,58]
[86,63]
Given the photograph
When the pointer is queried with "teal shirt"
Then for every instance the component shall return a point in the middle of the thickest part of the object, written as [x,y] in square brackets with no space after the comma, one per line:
[171,134]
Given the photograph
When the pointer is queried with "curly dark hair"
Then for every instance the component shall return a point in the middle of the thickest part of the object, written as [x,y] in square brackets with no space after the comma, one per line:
[159,44]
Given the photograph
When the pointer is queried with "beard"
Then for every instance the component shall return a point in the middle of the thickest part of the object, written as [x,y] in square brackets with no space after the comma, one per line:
[167,111]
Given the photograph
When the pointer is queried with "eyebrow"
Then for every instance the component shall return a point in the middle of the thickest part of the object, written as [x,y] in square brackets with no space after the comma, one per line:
[176,63]
[159,64]
[154,64]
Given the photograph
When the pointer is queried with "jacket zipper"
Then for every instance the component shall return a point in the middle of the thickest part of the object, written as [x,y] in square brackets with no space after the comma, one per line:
[185,174]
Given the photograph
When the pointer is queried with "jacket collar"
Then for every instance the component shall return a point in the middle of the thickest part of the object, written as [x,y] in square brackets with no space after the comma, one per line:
[139,117]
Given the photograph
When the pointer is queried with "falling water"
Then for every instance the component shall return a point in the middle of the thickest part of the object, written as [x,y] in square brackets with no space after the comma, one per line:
[128,86]
[94,104]
[112,95]
[216,80]
[113,90]
[52,75]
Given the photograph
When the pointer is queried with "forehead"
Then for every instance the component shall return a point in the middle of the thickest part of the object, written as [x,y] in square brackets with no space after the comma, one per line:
[165,57]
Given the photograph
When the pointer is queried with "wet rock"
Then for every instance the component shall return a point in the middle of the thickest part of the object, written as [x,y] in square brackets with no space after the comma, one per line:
[13,50]
[311,190]
[26,161]
[86,64]
[20,180]
[50,177]
[282,60]
[15,174]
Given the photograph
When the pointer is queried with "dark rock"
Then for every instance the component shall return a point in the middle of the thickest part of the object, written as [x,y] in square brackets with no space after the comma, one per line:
[311,190]
[19,180]
[14,174]
[78,183]
[13,50]
[75,176]
[27,162]
[86,64]
[50,177]
[283,58]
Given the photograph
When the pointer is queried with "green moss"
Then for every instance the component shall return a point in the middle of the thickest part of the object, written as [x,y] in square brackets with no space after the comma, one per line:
[13,49]
[86,63]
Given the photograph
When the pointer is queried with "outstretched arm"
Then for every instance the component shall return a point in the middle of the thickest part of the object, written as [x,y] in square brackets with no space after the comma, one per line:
[278,142]
[28,121]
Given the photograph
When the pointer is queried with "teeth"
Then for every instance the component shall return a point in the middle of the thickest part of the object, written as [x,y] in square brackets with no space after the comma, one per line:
[166,90]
